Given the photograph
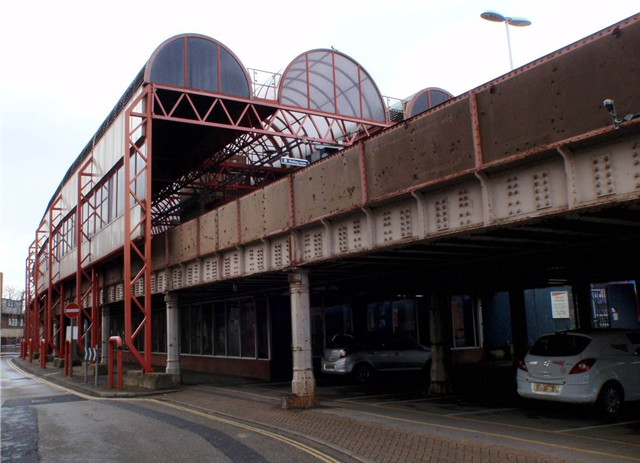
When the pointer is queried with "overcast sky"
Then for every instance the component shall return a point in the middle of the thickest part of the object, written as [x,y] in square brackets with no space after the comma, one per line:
[64,65]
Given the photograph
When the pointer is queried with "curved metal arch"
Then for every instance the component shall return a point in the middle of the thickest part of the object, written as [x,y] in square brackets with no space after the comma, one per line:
[149,65]
[336,69]
[413,100]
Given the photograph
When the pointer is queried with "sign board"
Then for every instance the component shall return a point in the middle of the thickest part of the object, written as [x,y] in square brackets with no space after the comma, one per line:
[90,354]
[72,310]
[287,161]
[75,332]
[560,304]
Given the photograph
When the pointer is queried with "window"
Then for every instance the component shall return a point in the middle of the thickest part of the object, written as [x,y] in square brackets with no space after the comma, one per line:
[219,329]
[185,330]
[207,329]
[464,317]
[233,328]
[248,327]
[393,317]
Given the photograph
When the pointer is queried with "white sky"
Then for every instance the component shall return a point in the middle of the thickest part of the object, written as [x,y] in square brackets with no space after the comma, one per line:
[64,65]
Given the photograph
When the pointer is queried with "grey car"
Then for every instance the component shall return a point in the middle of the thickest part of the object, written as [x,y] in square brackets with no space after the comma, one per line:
[361,358]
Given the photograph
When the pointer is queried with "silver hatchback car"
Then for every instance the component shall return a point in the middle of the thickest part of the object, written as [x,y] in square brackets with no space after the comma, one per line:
[599,367]
[346,355]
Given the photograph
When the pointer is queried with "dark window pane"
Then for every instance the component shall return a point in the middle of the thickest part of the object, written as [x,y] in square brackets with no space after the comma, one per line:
[219,329]
[185,331]
[233,328]
[420,105]
[262,326]
[202,64]
[120,192]
[560,345]
[233,80]
[168,65]
[248,314]
[437,97]
[196,331]
[464,325]
[207,329]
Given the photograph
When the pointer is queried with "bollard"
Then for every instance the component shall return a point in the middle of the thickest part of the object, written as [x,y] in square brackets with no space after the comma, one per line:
[22,350]
[43,353]
[30,350]
[67,357]
[117,340]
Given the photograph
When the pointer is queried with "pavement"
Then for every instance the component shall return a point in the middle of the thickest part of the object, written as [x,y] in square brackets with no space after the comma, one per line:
[359,433]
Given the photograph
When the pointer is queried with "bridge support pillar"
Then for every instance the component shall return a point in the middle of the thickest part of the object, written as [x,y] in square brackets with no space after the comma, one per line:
[105,334]
[303,386]
[440,334]
[173,335]
[518,323]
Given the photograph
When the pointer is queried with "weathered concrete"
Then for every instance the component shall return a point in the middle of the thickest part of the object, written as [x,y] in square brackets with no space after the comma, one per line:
[153,381]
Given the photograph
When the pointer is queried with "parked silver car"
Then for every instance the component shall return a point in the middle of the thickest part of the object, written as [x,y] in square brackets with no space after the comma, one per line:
[346,355]
[599,367]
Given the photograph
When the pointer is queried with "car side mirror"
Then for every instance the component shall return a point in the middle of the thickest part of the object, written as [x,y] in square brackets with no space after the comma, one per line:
[638,351]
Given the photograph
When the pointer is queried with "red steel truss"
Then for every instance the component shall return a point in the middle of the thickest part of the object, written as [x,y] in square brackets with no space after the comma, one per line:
[55,291]
[265,130]
[85,213]
[30,294]
[137,154]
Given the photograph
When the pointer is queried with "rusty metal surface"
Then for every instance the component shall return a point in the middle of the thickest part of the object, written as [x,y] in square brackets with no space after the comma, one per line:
[252,212]
[561,97]
[328,187]
[228,225]
[420,150]
[208,225]
[276,213]
[183,242]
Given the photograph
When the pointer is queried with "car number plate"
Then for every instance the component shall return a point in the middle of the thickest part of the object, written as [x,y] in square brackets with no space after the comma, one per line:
[329,367]
[546,388]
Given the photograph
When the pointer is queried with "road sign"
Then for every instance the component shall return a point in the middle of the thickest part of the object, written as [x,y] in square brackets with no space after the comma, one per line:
[72,310]
[90,354]
[287,161]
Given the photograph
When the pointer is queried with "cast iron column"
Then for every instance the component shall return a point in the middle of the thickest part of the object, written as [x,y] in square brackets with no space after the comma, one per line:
[173,334]
[106,334]
[303,386]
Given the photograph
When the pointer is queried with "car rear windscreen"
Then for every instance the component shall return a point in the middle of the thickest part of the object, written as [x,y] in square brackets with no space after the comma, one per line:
[340,340]
[559,345]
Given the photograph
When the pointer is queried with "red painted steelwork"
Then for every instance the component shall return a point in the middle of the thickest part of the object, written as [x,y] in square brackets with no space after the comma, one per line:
[363,174]
[86,183]
[475,128]
[117,340]
[139,151]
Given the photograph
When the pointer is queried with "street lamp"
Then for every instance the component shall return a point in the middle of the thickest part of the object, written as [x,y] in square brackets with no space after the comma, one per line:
[496,17]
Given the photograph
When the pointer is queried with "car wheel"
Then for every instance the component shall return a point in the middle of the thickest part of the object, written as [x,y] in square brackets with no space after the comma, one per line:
[610,399]
[362,373]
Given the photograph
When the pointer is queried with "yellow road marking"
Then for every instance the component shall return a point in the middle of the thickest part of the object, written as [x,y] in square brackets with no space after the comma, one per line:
[299,445]
[498,435]
[242,392]
[305,448]
[505,425]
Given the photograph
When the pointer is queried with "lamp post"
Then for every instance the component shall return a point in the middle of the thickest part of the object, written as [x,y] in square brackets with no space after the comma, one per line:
[496,17]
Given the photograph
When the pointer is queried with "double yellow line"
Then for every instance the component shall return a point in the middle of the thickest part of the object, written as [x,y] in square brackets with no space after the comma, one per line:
[293,443]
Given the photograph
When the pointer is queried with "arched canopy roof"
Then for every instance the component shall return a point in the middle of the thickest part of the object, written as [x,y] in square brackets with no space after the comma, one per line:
[332,82]
[426,99]
[198,62]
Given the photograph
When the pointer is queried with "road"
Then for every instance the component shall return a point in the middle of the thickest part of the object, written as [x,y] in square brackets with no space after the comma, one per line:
[46,423]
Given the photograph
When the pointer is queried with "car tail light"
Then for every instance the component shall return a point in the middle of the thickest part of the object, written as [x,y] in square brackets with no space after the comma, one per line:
[582,366]
[522,366]
[345,352]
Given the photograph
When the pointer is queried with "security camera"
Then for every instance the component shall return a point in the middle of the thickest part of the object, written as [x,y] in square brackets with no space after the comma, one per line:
[610,105]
